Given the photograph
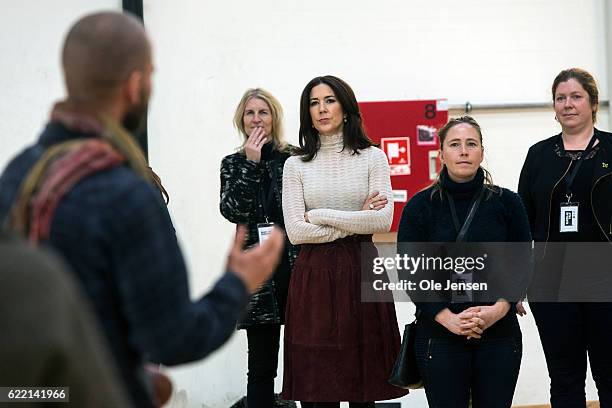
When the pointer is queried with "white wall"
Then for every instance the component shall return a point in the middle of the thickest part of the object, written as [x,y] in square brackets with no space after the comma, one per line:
[208,53]
[31,35]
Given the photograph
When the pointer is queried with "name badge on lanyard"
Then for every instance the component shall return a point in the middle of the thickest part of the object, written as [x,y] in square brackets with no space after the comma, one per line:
[568,221]
[568,218]
[459,293]
[264,230]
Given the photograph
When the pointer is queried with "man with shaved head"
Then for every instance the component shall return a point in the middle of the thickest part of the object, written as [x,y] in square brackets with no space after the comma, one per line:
[86,189]
[107,66]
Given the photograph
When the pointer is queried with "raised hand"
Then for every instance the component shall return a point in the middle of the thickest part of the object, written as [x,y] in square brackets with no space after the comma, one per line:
[255,265]
[254,143]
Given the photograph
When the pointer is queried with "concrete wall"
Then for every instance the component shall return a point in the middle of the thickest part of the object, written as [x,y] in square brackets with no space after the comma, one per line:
[207,53]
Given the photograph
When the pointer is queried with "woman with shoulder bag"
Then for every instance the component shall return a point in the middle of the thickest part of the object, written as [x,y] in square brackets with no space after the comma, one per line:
[466,350]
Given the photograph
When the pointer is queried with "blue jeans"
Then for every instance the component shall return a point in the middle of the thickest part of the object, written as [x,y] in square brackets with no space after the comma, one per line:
[455,369]
[568,331]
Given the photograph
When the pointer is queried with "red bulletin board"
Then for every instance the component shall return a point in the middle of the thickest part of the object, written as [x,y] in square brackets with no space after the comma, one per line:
[407,133]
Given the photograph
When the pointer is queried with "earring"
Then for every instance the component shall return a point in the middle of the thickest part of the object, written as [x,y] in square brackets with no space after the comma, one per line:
[556,118]
[345,119]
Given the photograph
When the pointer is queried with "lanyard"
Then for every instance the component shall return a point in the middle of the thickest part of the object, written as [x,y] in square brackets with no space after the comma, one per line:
[569,178]
[462,230]
[264,199]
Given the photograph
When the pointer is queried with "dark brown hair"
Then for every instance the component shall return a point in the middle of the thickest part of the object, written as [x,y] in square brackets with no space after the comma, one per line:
[585,79]
[355,137]
[442,133]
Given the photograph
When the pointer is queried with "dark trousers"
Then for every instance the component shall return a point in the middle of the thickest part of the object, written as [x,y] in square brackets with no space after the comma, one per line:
[568,331]
[336,404]
[453,370]
[263,342]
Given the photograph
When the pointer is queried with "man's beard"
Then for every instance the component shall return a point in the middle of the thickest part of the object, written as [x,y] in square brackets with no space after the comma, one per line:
[135,120]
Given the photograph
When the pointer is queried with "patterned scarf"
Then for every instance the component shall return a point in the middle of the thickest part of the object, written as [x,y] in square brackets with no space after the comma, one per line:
[63,165]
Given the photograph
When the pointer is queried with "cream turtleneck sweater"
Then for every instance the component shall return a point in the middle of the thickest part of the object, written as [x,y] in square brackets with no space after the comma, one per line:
[332,188]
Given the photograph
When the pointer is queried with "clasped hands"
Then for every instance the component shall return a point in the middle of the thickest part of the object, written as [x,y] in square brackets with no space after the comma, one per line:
[473,321]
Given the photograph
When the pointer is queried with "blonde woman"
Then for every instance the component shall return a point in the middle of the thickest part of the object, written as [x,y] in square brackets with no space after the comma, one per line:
[251,184]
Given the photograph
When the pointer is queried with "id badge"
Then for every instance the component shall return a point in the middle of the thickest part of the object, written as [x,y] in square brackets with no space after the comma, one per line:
[264,230]
[569,217]
[459,287]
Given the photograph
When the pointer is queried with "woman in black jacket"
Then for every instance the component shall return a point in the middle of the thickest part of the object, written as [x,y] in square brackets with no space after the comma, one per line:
[251,184]
[467,349]
[566,185]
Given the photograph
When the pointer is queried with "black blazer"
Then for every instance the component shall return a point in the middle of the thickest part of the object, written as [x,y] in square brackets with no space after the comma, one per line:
[543,170]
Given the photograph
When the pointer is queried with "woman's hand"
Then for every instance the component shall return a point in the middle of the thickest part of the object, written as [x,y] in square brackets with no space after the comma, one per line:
[461,324]
[487,316]
[374,202]
[254,143]
[520,308]
[470,319]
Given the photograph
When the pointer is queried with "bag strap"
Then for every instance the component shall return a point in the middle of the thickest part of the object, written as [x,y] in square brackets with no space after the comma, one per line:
[470,217]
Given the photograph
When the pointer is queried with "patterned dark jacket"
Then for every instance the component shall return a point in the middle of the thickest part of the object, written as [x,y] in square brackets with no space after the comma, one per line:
[241,181]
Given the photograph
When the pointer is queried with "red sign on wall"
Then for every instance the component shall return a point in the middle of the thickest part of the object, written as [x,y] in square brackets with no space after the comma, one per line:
[398,154]
[407,133]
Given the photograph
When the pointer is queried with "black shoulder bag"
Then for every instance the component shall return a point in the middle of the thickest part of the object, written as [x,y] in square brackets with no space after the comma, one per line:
[405,373]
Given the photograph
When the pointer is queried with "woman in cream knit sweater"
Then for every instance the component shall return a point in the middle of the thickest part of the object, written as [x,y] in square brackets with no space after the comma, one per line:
[335,195]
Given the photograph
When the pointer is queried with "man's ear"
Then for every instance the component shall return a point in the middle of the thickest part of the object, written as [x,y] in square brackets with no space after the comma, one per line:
[134,87]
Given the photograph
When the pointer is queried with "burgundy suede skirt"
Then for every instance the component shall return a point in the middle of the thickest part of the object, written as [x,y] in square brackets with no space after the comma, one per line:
[337,348]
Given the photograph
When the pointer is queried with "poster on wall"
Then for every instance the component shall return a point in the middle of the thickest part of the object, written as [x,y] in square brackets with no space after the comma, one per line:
[407,131]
